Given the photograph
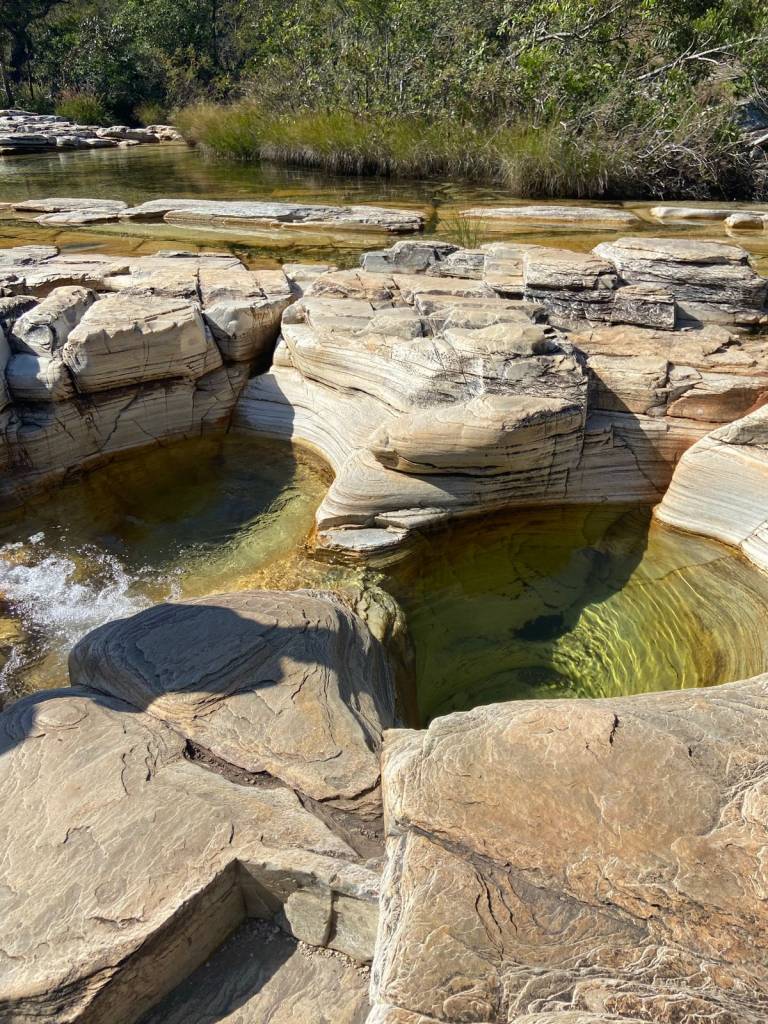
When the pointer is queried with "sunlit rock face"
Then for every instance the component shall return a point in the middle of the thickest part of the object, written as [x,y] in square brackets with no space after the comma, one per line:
[102,356]
[440,382]
[595,857]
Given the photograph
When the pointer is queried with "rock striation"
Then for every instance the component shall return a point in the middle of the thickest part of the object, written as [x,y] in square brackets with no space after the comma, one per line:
[290,682]
[24,132]
[439,382]
[101,355]
[636,897]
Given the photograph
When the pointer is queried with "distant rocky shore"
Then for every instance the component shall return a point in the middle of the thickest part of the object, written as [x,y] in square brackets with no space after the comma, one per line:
[24,132]
[242,756]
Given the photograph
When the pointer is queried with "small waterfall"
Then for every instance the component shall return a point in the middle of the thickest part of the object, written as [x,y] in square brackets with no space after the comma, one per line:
[58,598]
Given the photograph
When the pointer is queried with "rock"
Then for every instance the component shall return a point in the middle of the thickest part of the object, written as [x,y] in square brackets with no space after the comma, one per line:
[290,684]
[12,307]
[747,221]
[217,214]
[260,974]
[628,899]
[552,213]
[122,133]
[486,434]
[39,378]
[45,328]
[243,310]
[77,218]
[705,278]
[691,213]
[93,930]
[407,257]
[69,205]
[719,487]
[127,340]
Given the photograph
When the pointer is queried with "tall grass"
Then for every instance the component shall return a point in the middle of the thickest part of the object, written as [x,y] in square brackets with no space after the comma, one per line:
[82,108]
[555,160]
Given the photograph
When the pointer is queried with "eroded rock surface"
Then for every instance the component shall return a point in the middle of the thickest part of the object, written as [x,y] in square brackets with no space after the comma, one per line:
[278,687]
[103,355]
[292,684]
[598,857]
[440,382]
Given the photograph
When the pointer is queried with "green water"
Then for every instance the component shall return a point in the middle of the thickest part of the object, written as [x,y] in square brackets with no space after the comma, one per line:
[186,520]
[579,602]
[576,602]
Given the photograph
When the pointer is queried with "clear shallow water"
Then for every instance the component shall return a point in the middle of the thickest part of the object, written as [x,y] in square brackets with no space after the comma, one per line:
[590,602]
[187,520]
[151,172]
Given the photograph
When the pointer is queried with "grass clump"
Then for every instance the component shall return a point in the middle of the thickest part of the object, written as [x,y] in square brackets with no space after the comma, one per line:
[82,108]
[689,152]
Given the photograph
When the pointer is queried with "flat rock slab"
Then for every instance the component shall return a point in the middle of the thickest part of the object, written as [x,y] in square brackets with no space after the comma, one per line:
[292,684]
[551,213]
[260,974]
[125,865]
[216,213]
[62,205]
[601,856]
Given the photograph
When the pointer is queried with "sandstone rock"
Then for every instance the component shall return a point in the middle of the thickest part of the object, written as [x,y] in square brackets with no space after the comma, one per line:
[552,213]
[69,205]
[720,486]
[701,275]
[628,899]
[76,218]
[747,221]
[691,213]
[127,340]
[12,307]
[407,257]
[486,434]
[95,931]
[291,684]
[243,310]
[44,329]
[260,975]
[206,212]
[39,378]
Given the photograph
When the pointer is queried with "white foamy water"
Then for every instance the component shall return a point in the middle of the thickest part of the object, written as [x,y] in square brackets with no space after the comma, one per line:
[56,602]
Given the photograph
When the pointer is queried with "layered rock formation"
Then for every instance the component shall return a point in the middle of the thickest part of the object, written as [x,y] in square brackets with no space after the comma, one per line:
[24,132]
[440,382]
[142,829]
[104,355]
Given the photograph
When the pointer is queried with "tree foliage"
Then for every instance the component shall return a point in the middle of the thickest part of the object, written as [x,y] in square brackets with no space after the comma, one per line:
[493,61]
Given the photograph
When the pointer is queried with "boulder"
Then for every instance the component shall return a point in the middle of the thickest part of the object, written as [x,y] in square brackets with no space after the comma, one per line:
[39,378]
[45,328]
[290,684]
[709,280]
[128,340]
[625,899]
[243,310]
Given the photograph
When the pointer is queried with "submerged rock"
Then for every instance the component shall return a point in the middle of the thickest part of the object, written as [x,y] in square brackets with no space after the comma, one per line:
[554,214]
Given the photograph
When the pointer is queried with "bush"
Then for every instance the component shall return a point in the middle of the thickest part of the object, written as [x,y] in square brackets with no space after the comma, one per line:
[151,113]
[82,108]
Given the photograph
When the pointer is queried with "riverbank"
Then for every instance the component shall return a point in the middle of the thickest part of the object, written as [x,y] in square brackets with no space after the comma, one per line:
[704,156]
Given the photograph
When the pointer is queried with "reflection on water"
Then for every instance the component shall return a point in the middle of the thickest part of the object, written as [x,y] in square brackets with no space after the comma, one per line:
[151,172]
[186,520]
[583,602]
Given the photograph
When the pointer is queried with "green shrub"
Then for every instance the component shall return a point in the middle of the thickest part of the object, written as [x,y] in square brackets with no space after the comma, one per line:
[82,108]
[151,113]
